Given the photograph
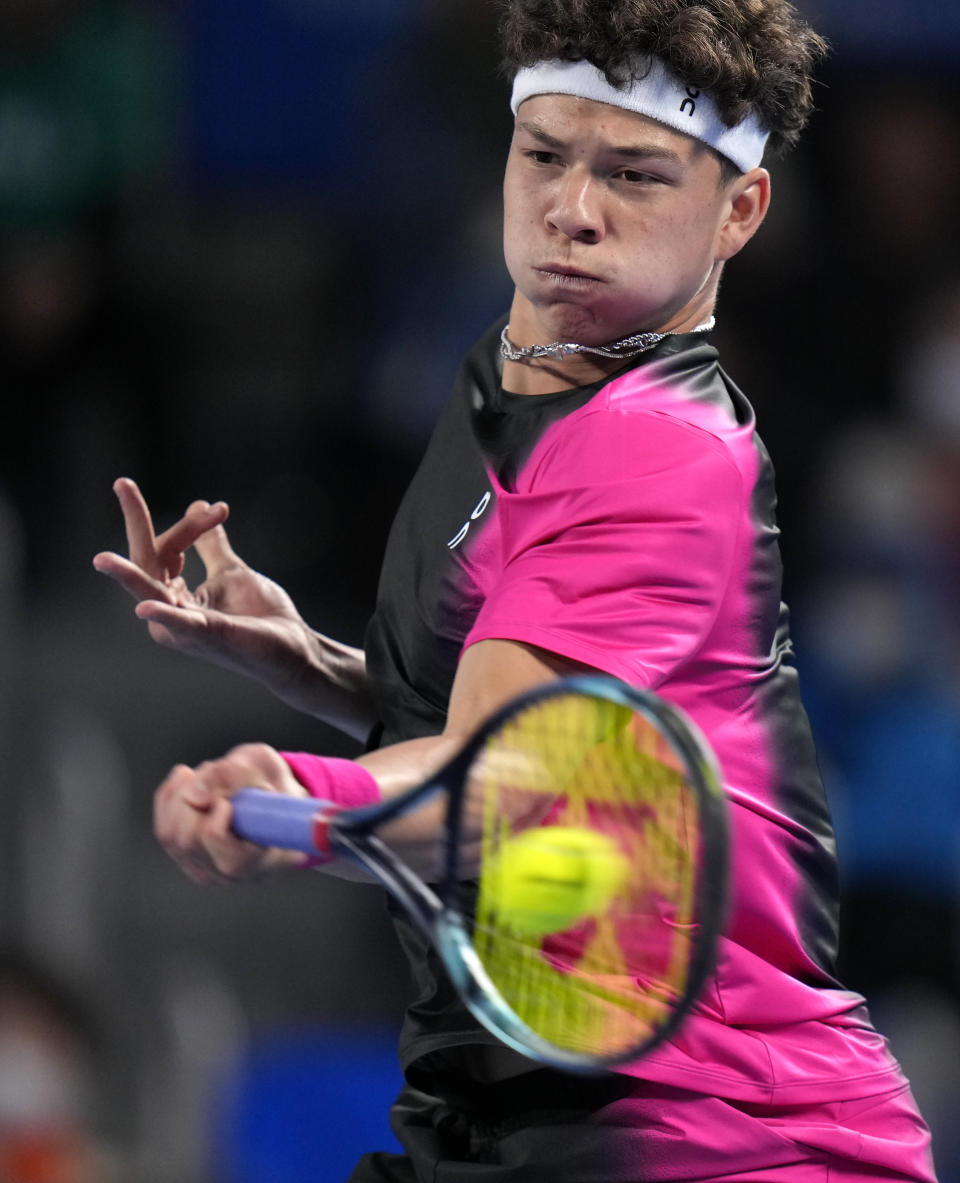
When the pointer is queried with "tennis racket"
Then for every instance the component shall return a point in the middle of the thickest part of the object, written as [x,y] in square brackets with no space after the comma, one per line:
[583,952]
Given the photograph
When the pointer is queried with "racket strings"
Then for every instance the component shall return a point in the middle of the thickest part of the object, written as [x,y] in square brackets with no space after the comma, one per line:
[616,975]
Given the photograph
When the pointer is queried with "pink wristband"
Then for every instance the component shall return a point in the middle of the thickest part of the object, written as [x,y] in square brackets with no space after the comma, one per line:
[329,778]
[344,782]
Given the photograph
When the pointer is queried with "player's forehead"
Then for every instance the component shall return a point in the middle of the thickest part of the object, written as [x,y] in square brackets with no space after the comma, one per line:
[587,123]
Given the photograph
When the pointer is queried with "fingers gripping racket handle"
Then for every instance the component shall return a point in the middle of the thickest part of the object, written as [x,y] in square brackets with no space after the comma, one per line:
[294,823]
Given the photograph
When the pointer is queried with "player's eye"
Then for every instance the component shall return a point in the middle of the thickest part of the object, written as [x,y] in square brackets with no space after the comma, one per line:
[634,177]
[541,156]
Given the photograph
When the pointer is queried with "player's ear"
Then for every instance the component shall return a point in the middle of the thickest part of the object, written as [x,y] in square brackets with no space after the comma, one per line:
[749,200]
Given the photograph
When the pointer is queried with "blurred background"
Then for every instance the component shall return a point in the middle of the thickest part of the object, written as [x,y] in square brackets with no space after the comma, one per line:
[243,244]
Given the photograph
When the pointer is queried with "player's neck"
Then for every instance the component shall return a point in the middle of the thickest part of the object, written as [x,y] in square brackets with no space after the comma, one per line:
[548,375]
[533,375]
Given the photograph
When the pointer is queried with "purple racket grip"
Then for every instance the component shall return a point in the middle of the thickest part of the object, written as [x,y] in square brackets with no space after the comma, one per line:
[271,819]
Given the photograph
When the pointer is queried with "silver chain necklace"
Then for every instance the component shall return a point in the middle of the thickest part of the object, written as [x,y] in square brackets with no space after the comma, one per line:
[624,348]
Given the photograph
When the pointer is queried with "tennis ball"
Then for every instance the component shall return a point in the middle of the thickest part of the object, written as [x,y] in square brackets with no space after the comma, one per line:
[547,880]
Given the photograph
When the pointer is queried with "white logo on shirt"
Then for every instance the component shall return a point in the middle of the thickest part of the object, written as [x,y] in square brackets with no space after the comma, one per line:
[464,530]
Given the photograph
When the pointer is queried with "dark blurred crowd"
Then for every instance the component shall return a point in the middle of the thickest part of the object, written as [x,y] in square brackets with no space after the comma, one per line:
[242,246]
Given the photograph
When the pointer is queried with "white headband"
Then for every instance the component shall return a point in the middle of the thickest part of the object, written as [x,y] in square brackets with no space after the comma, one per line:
[659,95]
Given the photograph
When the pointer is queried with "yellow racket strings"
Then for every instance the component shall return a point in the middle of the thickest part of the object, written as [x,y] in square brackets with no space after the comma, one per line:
[608,983]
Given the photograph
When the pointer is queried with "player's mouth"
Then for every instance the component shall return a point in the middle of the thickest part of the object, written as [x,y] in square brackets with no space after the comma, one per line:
[564,276]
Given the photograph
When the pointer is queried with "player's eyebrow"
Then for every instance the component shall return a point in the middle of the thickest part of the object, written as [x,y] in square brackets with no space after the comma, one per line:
[632,151]
[539,134]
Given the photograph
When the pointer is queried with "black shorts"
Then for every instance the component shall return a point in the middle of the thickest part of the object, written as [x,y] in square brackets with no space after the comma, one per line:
[534,1128]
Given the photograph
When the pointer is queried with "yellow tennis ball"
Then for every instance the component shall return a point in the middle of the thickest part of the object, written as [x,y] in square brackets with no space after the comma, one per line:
[547,880]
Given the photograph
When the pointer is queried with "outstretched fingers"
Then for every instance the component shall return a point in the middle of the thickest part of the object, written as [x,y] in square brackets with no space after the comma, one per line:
[200,519]
[141,539]
[162,556]
[133,578]
[193,529]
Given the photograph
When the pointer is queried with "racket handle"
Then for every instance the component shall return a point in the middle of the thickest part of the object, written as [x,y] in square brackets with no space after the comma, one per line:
[271,819]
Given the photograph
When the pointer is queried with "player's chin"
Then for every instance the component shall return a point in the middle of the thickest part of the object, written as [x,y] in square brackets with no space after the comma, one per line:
[579,322]
[605,317]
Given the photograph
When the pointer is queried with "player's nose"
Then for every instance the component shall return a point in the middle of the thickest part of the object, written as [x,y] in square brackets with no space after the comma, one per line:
[576,210]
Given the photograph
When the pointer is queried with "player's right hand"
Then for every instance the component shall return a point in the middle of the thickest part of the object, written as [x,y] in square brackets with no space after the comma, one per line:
[235,617]
[192,816]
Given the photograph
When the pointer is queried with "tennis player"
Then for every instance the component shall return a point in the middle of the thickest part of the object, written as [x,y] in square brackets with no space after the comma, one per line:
[595,496]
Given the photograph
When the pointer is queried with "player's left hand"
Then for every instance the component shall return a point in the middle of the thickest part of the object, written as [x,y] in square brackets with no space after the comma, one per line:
[193,816]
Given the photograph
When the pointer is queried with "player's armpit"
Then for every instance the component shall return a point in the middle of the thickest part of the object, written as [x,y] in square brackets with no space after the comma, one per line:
[492,672]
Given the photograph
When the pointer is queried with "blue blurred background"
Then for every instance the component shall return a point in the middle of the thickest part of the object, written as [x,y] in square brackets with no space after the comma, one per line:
[242,246]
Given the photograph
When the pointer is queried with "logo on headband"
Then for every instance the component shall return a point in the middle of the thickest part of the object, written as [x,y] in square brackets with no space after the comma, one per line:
[694,93]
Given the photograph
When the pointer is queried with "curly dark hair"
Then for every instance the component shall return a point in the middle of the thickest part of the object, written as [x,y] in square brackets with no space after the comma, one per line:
[750,55]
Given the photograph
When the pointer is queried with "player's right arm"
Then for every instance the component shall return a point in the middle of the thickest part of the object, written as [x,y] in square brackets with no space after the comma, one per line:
[193,819]
[235,618]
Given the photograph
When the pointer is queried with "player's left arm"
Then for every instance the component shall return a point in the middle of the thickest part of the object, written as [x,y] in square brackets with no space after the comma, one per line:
[192,813]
